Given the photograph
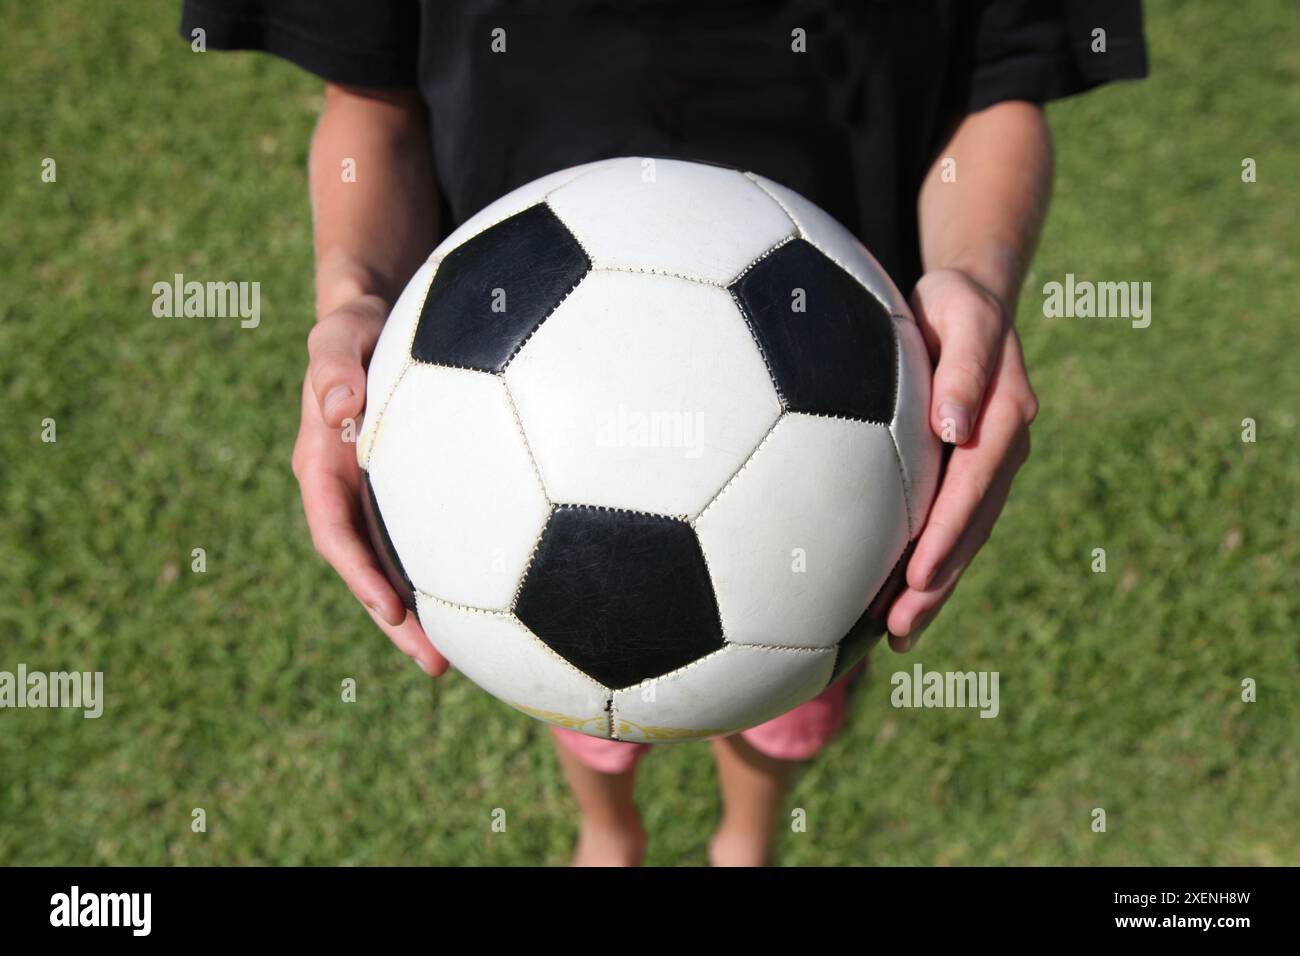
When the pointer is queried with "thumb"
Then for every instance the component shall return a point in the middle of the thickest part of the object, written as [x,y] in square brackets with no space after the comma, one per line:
[969,330]
[339,346]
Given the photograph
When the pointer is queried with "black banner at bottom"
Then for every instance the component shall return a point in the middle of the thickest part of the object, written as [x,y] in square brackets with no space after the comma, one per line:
[332,906]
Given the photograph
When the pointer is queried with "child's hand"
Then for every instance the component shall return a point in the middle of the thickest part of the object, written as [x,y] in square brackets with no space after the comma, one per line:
[982,403]
[329,477]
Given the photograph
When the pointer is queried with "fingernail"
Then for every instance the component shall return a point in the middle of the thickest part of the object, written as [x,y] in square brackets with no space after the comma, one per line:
[954,421]
[335,397]
[420,664]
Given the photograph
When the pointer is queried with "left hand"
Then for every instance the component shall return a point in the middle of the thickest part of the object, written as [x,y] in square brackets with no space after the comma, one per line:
[982,403]
[339,348]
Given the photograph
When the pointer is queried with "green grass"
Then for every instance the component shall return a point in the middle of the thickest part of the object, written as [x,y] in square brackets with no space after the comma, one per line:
[1119,691]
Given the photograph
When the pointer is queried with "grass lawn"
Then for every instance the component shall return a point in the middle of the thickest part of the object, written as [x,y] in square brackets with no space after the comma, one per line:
[1119,690]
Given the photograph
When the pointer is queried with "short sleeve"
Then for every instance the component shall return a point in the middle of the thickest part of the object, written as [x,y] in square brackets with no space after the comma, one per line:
[1040,50]
[341,41]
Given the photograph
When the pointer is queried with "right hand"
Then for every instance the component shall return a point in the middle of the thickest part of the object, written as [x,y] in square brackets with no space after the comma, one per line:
[334,389]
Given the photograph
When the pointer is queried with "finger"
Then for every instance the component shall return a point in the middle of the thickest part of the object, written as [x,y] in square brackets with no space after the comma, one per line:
[911,614]
[970,341]
[330,500]
[914,610]
[971,473]
[411,640]
[339,346]
[985,517]
[333,517]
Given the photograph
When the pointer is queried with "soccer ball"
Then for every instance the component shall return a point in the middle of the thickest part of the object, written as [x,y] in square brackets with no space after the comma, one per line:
[645,445]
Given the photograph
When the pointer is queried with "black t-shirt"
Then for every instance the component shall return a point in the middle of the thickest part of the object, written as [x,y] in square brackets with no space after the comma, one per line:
[519,89]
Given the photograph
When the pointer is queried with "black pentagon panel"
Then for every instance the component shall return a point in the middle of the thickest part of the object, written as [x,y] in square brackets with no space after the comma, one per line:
[870,627]
[534,262]
[622,596]
[382,545]
[838,356]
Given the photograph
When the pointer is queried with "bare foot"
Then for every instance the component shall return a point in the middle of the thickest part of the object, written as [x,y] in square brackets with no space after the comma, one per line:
[609,847]
[738,846]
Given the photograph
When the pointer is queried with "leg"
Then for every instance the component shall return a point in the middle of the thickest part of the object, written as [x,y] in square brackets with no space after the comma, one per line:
[753,789]
[610,831]
[756,767]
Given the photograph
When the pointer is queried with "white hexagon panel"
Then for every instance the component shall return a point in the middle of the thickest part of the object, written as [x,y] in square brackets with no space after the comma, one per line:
[700,699]
[668,216]
[643,392]
[455,486]
[499,654]
[392,353]
[804,536]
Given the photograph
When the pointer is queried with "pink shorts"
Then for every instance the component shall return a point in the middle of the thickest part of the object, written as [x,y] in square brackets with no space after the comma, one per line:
[796,735]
